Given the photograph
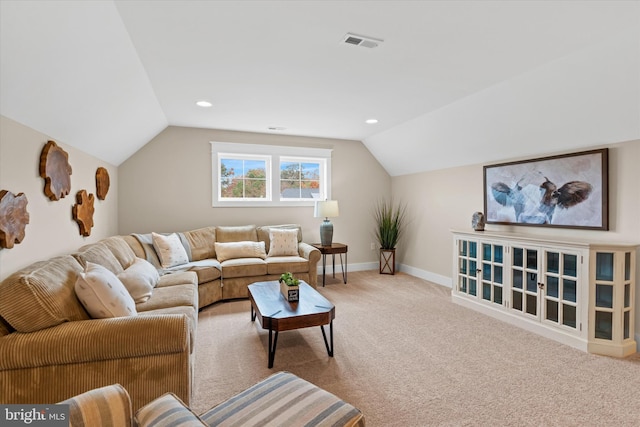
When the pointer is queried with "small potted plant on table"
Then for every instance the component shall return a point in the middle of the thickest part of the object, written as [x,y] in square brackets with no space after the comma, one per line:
[289,287]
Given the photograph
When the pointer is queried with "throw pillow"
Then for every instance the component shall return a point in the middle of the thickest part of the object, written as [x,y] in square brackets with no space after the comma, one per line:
[232,250]
[102,294]
[140,279]
[283,242]
[169,250]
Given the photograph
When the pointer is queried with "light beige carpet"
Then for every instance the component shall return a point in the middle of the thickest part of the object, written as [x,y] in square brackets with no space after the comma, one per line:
[406,356]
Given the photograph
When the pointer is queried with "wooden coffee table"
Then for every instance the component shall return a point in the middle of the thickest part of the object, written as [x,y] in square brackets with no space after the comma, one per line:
[277,314]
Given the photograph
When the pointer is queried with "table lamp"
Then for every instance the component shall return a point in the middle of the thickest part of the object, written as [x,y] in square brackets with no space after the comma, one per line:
[326,209]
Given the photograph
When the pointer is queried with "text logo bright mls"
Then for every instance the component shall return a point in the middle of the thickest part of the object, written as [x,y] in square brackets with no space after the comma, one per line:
[37,415]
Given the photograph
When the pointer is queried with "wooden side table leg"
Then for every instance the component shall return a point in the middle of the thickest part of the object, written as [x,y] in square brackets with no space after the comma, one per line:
[324,266]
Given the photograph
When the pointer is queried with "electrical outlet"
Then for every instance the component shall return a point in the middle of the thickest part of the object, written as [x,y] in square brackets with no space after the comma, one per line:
[373,246]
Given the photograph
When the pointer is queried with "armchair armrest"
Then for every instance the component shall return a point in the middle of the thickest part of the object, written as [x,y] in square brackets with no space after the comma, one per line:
[167,410]
[96,340]
[110,405]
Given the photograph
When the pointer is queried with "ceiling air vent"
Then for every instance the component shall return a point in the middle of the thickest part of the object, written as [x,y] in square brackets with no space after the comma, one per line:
[361,41]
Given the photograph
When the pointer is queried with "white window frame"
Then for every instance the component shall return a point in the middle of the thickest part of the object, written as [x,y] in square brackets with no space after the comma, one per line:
[273,153]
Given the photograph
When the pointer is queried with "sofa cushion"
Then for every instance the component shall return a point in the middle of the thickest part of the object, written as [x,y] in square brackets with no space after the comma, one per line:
[167,410]
[140,279]
[121,250]
[178,278]
[206,269]
[283,264]
[42,295]
[109,405]
[232,250]
[237,234]
[169,249]
[102,294]
[201,242]
[283,242]
[99,253]
[171,296]
[244,267]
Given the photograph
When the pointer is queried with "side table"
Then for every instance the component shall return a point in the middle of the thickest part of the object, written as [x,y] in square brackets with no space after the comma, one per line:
[335,248]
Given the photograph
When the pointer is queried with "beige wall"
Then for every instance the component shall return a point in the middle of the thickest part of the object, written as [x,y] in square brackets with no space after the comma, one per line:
[443,200]
[51,230]
[166,186]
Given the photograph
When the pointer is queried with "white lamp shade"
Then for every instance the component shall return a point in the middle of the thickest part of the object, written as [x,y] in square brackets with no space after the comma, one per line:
[326,209]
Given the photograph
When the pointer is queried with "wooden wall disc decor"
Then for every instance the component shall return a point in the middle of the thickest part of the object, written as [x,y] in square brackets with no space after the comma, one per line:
[82,212]
[13,218]
[56,171]
[102,183]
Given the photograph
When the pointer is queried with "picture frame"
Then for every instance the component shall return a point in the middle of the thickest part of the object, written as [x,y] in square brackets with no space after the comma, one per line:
[564,191]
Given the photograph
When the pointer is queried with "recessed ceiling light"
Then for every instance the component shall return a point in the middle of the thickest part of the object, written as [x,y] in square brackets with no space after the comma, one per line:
[371,121]
[204,104]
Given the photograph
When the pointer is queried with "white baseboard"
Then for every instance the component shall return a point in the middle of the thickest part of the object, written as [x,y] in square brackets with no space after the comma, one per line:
[364,266]
[638,343]
[350,267]
[427,275]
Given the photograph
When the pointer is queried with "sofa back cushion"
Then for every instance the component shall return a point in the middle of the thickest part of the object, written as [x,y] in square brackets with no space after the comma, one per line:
[99,253]
[42,295]
[201,242]
[244,233]
[121,250]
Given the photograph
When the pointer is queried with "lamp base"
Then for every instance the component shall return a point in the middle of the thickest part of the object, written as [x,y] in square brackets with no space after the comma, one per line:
[326,233]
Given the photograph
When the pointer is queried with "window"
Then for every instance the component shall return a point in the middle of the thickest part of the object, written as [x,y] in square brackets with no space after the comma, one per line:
[267,175]
[299,179]
[243,177]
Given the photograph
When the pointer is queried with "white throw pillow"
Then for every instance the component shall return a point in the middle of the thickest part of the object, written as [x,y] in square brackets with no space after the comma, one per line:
[283,242]
[140,279]
[102,294]
[169,250]
[232,250]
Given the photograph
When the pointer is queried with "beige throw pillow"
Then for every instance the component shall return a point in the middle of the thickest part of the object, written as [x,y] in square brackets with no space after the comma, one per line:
[169,250]
[232,250]
[140,279]
[283,242]
[102,294]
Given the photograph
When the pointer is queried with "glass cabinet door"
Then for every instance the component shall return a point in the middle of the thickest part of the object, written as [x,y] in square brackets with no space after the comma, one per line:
[492,272]
[468,267]
[524,281]
[604,287]
[627,313]
[560,288]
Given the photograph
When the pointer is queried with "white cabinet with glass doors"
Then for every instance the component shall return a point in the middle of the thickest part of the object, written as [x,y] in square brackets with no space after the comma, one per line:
[547,287]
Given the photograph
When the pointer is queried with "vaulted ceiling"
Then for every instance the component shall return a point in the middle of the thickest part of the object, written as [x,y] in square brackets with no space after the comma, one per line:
[451,83]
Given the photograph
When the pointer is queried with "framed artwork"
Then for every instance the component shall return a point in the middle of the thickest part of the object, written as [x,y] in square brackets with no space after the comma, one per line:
[568,191]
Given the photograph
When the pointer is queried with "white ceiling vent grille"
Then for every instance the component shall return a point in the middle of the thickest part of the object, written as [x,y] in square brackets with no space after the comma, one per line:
[362,41]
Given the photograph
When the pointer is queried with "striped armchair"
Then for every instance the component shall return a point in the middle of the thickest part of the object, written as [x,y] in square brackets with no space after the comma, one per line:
[282,399]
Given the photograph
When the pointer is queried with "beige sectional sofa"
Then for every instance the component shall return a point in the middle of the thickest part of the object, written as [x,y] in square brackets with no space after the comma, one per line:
[51,349]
